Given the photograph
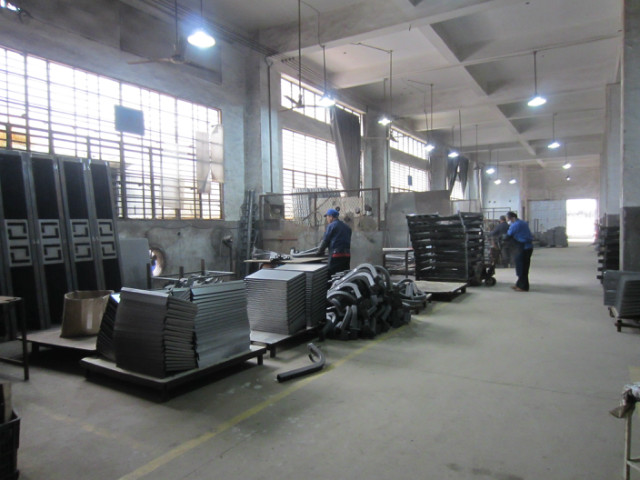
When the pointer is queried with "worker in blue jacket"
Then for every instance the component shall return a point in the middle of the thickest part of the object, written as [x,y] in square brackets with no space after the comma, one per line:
[337,238]
[523,248]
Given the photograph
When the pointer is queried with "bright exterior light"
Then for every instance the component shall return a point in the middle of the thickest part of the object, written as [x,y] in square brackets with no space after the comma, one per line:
[566,166]
[497,181]
[490,170]
[553,145]
[513,181]
[201,39]
[384,120]
[326,101]
[429,147]
[537,101]
[453,154]
[568,178]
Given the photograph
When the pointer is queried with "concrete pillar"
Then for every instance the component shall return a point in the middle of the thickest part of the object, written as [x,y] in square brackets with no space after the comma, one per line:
[630,171]
[439,170]
[376,158]
[611,158]
[257,148]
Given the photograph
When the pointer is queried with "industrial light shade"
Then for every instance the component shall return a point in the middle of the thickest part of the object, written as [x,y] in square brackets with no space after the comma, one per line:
[497,181]
[568,178]
[513,181]
[201,39]
[384,120]
[553,145]
[430,147]
[327,100]
[566,166]
[490,170]
[537,100]
[453,154]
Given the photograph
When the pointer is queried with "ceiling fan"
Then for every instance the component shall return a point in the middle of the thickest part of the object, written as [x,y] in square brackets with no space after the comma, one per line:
[299,102]
[177,57]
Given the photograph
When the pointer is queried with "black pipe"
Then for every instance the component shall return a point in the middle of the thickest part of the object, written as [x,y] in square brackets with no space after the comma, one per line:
[316,366]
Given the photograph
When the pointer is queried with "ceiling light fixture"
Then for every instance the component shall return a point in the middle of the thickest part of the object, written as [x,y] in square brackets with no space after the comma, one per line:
[554,143]
[566,165]
[537,100]
[430,146]
[200,38]
[568,178]
[453,154]
[490,170]
[497,181]
[327,99]
[513,181]
[387,120]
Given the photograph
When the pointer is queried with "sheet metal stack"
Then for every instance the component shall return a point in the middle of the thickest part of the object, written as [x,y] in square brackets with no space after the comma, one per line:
[153,333]
[222,324]
[628,297]
[104,343]
[317,276]
[276,301]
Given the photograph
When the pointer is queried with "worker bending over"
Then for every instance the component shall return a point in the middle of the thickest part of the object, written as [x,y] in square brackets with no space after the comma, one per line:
[337,238]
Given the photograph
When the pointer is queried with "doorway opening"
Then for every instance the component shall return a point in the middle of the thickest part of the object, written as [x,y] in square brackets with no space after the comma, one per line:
[582,216]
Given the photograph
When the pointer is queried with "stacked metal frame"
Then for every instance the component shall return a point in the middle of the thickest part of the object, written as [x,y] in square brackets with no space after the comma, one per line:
[448,249]
[608,250]
[317,277]
[276,301]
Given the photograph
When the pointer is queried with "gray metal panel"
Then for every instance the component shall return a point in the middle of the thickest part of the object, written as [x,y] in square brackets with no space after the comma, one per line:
[135,261]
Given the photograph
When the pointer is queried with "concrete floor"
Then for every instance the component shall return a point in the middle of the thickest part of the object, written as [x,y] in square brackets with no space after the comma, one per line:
[493,385]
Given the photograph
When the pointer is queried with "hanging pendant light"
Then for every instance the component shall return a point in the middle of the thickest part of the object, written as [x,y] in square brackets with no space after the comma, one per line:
[386,120]
[200,37]
[554,143]
[327,99]
[537,100]
[430,146]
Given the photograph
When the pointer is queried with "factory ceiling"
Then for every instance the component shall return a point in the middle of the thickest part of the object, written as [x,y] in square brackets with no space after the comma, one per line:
[477,54]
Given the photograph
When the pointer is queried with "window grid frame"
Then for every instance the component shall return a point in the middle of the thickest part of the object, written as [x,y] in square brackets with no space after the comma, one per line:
[42,113]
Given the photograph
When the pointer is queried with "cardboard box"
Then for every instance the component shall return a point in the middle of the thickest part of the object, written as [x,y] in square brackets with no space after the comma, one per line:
[83,311]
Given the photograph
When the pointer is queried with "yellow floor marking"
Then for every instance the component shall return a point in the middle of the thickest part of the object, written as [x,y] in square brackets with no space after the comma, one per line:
[205,437]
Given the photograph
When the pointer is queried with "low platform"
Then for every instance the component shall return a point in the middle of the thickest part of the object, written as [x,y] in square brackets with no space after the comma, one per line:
[271,341]
[442,290]
[619,323]
[51,338]
[164,385]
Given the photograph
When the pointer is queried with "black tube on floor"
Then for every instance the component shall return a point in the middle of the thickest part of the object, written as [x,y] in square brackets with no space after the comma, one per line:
[314,367]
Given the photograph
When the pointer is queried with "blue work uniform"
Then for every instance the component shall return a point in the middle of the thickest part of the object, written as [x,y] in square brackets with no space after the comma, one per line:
[523,245]
[337,238]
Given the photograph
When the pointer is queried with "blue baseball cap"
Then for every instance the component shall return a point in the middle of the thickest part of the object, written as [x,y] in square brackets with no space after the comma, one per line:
[332,212]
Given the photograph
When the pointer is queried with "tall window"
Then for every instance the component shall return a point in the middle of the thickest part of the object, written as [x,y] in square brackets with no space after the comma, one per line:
[56,109]
[290,93]
[456,191]
[408,144]
[308,162]
[404,178]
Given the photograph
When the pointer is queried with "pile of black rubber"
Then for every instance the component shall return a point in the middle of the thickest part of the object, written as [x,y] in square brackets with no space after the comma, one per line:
[364,302]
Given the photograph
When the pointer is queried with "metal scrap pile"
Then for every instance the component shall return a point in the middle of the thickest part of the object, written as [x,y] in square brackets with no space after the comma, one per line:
[364,302]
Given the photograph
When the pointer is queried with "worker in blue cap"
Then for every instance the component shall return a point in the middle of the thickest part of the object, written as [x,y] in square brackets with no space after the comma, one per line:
[337,238]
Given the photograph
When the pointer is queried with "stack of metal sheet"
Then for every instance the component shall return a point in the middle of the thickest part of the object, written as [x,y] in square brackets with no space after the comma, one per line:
[317,276]
[154,333]
[104,343]
[628,297]
[179,337]
[222,324]
[276,301]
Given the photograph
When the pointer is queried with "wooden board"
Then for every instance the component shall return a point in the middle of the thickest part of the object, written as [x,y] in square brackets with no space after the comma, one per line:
[51,338]
[110,369]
